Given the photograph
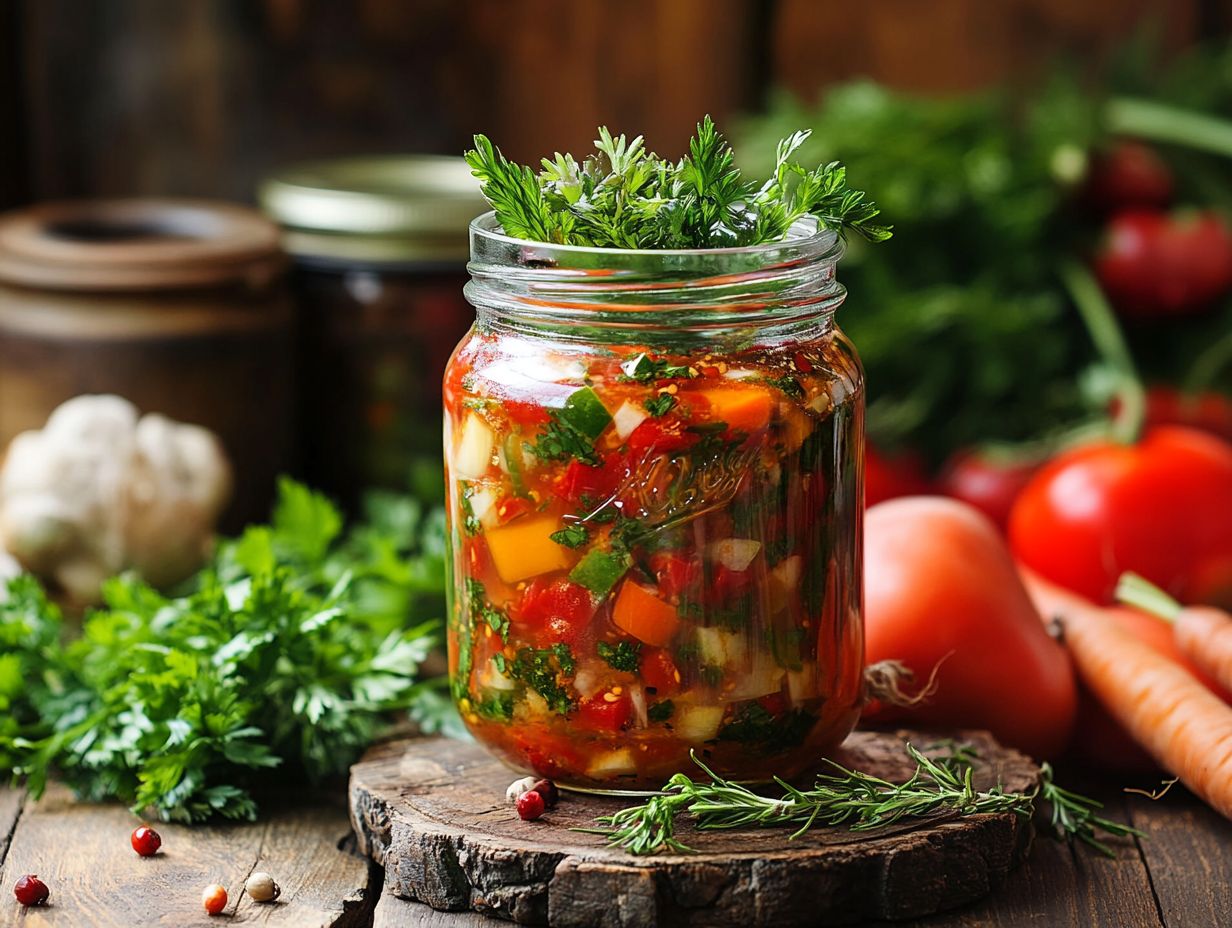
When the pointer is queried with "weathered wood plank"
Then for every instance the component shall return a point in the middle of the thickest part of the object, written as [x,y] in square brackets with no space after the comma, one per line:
[392,912]
[83,854]
[11,801]
[1188,850]
[433,813]
[1063,886]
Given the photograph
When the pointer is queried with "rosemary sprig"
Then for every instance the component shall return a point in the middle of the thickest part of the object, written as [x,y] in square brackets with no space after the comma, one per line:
[941,786]
[1076,818]
[624,196]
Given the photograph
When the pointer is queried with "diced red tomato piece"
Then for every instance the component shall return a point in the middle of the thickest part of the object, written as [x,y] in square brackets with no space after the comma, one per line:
[661,436]
[524,413]
[596,483]
[511,507]
[602,714]
[557,609]
[727,584]
[477,558]
[549,755]
[659,672]
[774,703]
[676,573]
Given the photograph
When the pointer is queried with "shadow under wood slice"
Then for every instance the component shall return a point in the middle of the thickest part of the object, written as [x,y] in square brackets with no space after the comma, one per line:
[433,812]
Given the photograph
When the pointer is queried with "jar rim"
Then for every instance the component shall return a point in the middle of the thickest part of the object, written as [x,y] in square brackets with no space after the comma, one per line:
[805,239]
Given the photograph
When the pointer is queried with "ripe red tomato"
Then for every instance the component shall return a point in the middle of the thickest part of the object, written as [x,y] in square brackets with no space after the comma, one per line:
[1161,508]
[887,478]
[1155,264]
[1126,174]
[987,481]
[557,609]
[602,714]
[941,591]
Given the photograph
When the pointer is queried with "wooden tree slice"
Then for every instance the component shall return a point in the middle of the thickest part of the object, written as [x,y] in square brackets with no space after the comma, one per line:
[433,813]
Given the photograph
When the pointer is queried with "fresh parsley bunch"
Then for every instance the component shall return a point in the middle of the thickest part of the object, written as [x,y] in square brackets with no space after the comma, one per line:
[627,197]
[284,659]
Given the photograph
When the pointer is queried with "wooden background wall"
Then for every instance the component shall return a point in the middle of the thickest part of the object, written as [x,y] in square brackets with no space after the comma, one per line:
[108,97]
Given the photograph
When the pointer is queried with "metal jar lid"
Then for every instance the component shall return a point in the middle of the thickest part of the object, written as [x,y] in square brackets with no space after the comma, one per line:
[138,244]
[400,208]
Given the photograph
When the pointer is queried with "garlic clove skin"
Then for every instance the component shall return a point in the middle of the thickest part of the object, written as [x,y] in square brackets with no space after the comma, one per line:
[261,887]
[518,787]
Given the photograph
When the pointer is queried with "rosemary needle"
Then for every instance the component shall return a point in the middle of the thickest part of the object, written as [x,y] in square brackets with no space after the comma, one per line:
[859,801]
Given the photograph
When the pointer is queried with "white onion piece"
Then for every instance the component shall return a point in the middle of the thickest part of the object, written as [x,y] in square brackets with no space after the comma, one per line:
[696,724]
[763,678]
[473,454]
[735,553]
[637,696]
[587,681]
[483,504]
[627,418]
[611,763]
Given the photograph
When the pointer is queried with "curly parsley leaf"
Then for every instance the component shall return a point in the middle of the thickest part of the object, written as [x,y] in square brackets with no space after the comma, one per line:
[288,652]
[625,196]
[624,655]
[660,405]
[571,536]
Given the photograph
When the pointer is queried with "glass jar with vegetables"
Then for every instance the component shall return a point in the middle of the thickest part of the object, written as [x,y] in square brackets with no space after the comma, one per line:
[654,472]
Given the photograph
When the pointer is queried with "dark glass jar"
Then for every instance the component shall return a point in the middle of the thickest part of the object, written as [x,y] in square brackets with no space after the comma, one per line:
[178,306]
[655,477]
[380,259]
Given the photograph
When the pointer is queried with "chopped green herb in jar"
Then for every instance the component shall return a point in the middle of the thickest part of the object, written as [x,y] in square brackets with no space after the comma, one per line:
[624,655]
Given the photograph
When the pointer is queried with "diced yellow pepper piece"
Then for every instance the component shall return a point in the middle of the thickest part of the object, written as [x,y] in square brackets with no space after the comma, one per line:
[522,549]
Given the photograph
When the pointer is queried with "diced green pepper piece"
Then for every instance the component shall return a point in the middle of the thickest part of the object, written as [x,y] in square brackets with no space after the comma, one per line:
[585,412]
[513,460]
[599,571]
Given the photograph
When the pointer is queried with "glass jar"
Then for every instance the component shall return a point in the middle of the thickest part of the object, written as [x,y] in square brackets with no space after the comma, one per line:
[380,259]
[654,477]
[179,306]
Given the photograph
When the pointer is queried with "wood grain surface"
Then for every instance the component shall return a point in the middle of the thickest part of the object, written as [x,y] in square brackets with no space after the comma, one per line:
[433,813]
[82,852]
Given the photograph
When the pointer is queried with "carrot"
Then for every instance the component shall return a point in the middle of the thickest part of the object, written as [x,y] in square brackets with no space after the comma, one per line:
[1202,634]
[644,616]
[1185,727]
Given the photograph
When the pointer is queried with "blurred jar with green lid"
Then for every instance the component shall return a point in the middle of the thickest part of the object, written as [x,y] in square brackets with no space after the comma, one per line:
[380,247]
[179,306]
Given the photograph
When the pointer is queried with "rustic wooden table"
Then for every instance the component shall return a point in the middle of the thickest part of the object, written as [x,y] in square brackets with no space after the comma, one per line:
[1180,876]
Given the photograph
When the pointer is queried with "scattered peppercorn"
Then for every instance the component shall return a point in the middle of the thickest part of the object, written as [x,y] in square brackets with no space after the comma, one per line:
[547,789]
[515,789]
[262,888]
[214,898]
[146,841]
[530,805]
[30,890]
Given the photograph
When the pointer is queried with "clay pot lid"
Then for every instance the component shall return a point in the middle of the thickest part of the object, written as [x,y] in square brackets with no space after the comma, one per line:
[137,244]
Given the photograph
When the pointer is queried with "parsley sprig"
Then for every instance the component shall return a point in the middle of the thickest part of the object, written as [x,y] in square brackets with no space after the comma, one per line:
[281,662]
[625,196]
